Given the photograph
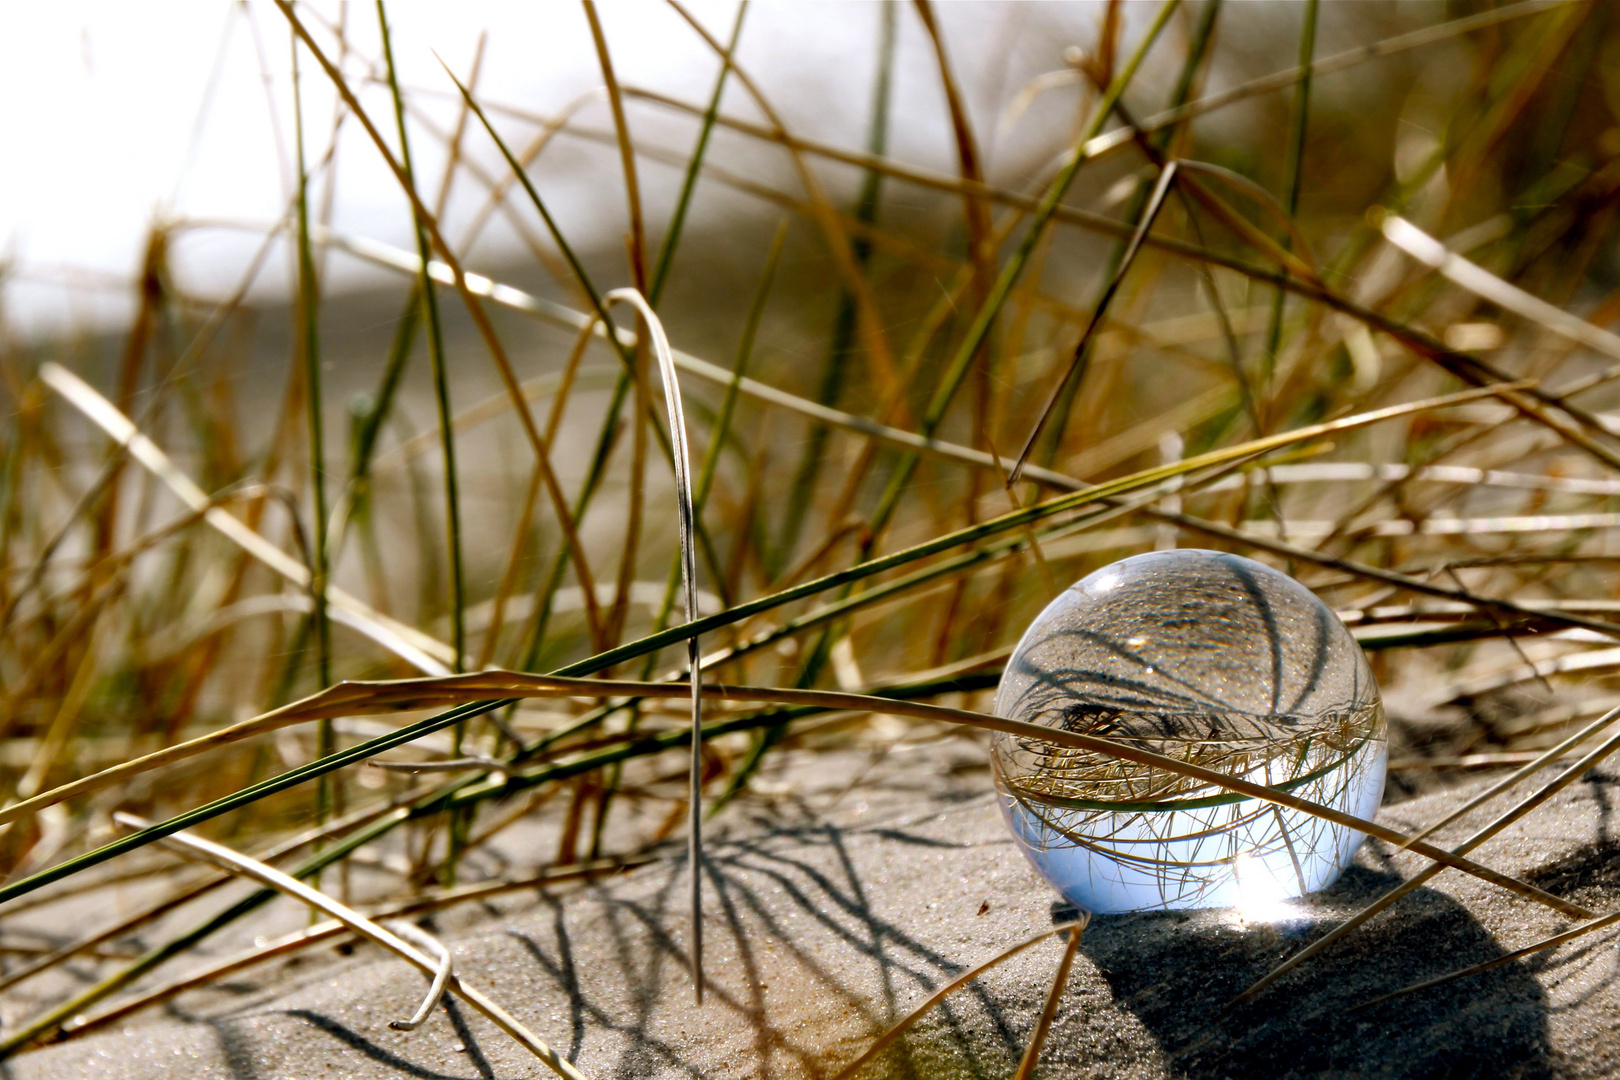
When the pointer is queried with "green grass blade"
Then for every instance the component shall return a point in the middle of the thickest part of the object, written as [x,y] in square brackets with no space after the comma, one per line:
[683,203]
[441,384]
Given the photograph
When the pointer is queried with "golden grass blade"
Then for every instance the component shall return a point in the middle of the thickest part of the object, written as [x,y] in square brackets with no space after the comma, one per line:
[1342,471]
[1155,202]
[1436,526]
[287,944]
[409,644]
[900,1026]
[874,336]
[1564,779]
[184,895]
[372,932]
[1111,141]
[1299,279]
[1540,761]
[475,310]
[1506,958]
[976,210]
[627,156]
[110,467]
[1486,285]
[355,698]
[429,311]
[309,351]
[344,698]
[1060,980]
[117,930]
[328,930]
[1376,573]
[636,241]
[404,262]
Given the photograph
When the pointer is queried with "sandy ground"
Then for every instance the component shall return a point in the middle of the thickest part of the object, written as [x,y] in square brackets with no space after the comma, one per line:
[832,912]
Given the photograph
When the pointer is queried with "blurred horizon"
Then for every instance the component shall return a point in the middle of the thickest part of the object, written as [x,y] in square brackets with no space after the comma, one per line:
[187,121]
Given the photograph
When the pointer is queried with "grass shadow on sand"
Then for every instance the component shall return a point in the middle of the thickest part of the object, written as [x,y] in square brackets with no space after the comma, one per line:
[1176,972]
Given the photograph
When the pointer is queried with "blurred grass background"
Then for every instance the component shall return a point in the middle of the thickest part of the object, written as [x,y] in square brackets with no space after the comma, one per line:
[1370,205]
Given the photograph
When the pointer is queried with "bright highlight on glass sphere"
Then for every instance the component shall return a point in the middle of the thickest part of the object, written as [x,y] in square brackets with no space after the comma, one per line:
[1212,659]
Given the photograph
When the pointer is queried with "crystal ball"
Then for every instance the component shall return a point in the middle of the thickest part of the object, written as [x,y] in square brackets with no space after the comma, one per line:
[1208,658]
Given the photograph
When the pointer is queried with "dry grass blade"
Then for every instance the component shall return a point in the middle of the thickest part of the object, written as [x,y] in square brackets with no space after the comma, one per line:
[409,644]
[436,359]
[1480,281]
[402,261]
[406,263]
[117,930]
[309,339]
[1161,188]
[329,930]
[1564,779]
[1537,406]
[343,699]
[480,318]
[900,1026]
[346,699]
[1060,980]
[1543,945]
[374,933]
[356,697]
[184,895]
[441,978]
[869,319]
[1376,573]
[1104,144]
[627,157]
[1507,783]
[686,518]
[1266,370]
[209,975]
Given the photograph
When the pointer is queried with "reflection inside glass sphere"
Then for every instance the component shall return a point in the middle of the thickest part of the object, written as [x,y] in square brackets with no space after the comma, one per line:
[1212,659]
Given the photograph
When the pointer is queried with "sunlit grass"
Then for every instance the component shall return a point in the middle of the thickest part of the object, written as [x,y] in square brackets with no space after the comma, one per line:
[936,402]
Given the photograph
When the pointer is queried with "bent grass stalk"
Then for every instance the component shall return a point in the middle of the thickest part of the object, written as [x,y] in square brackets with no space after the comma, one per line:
[382,937]
[686,518]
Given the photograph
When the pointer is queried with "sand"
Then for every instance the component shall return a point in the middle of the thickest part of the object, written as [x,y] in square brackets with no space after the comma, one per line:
[834,910]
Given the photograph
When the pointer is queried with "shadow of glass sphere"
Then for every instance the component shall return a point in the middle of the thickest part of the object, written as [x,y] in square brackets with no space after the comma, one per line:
[1212,659]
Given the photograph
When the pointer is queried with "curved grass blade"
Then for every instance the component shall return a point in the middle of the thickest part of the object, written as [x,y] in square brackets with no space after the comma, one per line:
[686,518]
[380,936]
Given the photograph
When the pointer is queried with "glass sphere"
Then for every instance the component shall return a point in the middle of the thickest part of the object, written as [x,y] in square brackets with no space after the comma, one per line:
[1213,659]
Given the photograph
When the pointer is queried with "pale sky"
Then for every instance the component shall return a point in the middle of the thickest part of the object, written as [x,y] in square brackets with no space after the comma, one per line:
[107,126]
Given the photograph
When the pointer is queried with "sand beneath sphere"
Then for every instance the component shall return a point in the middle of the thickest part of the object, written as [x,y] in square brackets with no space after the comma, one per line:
[834,909]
